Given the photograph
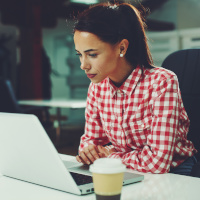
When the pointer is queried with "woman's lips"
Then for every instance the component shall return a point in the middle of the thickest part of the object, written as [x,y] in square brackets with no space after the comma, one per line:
[91,75]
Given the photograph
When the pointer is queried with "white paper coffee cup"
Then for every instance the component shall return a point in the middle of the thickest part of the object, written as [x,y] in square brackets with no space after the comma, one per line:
[107,177]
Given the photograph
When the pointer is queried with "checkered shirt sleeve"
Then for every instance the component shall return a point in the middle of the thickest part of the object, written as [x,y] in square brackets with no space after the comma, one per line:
[94,133]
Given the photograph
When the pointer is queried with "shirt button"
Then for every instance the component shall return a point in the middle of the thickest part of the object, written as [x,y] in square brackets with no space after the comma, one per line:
[142,125]
[118,91]
[120,119]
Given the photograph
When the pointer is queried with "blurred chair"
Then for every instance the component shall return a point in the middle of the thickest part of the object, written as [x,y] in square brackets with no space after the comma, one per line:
[9,103]
[186,65]
[196,170]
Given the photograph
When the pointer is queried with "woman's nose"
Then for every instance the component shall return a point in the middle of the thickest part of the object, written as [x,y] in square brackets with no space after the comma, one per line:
[84,64]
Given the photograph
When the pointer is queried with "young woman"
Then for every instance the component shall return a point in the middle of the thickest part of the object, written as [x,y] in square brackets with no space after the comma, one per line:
[134,110]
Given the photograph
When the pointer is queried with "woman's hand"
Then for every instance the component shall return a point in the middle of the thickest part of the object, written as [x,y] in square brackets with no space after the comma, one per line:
[88,155]
[92,153]
[106,151]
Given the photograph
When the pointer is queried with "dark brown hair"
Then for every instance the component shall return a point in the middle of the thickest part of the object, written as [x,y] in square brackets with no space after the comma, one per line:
[114,22]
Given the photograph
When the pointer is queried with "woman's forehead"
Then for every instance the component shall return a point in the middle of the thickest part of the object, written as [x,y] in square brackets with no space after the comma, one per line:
[83,33]
[85,40]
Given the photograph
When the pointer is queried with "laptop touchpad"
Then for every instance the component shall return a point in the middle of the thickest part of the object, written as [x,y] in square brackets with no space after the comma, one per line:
[84,169]
[77,167]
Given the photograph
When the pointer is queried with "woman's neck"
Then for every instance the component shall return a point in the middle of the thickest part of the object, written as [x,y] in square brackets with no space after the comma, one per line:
[121,74]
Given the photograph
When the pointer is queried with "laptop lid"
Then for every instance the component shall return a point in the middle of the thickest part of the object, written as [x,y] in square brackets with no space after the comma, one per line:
[27,153]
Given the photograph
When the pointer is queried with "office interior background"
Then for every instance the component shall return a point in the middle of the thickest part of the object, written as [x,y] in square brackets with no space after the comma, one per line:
[37,52]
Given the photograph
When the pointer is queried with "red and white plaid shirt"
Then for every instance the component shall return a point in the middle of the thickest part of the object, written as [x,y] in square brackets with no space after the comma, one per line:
[144,119]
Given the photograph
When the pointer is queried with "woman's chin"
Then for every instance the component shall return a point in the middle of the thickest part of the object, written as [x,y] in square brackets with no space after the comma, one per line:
[96,80]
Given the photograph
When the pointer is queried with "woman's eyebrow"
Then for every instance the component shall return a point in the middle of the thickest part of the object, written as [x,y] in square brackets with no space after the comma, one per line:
[88,50]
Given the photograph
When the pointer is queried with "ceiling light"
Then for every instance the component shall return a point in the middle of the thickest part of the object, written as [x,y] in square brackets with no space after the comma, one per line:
[85,1]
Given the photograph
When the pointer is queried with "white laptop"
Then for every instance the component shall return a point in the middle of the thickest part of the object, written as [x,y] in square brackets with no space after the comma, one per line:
[27,153]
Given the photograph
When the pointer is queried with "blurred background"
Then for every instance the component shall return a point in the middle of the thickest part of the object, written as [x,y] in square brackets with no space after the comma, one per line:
[37,51]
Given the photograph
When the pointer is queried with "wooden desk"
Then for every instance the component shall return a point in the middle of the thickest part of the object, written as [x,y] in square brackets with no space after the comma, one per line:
[154,187]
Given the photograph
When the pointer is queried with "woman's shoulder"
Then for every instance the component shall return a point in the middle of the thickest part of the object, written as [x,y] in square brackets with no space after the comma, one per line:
[160,78]
[159,73]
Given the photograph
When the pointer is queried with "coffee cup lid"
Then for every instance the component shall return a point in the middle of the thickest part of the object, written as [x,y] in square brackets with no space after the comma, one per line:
[107,166]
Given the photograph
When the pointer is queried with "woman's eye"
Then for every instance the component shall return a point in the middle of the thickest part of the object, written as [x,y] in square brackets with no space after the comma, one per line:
[78,54]
[93,55]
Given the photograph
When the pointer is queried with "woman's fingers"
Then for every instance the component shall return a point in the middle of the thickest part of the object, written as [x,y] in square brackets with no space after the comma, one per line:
[102,155]
[85,158]
[89,154]
[93,151]
[79,159]
[103,151]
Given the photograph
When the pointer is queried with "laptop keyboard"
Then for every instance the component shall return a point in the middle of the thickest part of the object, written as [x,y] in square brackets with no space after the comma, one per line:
[81,179]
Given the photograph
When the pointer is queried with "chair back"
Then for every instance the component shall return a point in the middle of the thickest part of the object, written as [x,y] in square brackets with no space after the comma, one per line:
[186,65]
[8,101]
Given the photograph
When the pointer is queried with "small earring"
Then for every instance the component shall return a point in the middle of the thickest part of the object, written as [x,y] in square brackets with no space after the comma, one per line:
[121,55]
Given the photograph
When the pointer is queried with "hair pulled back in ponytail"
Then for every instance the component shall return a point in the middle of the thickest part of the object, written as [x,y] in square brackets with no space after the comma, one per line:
[114,22]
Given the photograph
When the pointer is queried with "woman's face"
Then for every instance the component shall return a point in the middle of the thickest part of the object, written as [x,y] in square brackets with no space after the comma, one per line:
[98,59]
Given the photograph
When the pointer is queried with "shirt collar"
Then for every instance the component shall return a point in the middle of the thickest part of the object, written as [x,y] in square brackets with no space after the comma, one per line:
[129,84]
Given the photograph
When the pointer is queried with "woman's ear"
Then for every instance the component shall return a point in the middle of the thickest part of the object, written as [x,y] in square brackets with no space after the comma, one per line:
[123,46]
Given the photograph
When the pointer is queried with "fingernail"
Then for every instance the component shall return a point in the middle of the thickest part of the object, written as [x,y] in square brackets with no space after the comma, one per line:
[88,162]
